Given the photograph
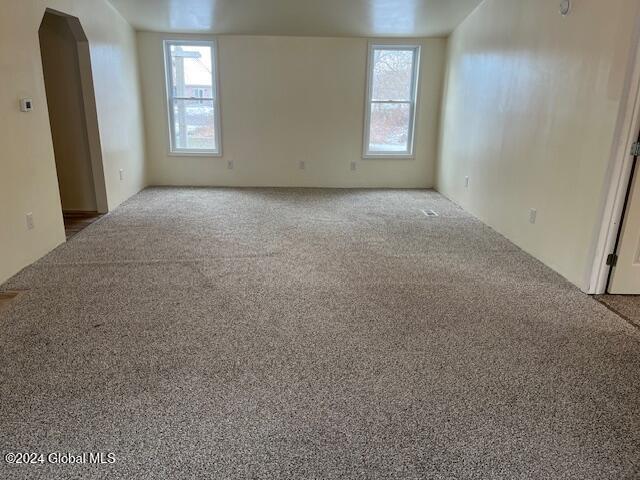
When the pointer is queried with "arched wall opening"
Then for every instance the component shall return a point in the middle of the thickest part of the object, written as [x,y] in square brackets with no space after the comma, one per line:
[68,79]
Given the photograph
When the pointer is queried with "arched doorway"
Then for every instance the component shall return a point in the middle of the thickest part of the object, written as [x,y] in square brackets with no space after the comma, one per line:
[73,118]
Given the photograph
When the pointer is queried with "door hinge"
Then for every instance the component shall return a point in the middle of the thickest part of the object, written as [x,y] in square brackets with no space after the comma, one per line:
[635,149]
[612,260]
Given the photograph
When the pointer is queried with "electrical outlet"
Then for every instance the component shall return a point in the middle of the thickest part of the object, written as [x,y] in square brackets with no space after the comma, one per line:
[121,171]
[230,164]
[303,165]
[533,215]
[26,105]
[466,182]
[30,224]
[354,165]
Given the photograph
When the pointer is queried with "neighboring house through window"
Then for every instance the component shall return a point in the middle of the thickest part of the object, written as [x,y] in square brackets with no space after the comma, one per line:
[193,101]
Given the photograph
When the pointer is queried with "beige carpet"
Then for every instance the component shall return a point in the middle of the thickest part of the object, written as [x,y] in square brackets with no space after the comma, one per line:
[311,334]
[627,306]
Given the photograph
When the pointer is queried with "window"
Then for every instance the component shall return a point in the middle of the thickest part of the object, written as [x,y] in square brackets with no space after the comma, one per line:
[193,102]
[392,89]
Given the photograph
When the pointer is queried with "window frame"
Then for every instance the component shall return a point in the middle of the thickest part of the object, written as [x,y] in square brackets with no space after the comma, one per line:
[170,97]
[413,102]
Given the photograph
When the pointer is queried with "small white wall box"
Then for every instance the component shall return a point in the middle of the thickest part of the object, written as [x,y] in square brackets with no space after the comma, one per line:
[26,104]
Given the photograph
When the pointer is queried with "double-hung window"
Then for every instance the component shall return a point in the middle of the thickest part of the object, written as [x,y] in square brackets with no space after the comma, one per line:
[392,92]
[192,95]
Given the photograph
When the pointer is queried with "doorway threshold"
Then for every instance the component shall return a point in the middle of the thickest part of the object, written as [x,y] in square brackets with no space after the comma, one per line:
[75,222]
[626,306]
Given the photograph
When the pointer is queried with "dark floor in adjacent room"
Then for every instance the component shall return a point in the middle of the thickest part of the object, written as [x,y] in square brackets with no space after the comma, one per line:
[75,222]
[265,333]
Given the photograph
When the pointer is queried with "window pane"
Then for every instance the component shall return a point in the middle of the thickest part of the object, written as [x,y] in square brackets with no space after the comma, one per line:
[392,74]
[390,127]
[192,71]
[194,124]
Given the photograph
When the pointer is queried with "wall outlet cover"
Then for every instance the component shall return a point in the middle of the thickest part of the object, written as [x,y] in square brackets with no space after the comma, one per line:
[26,104]
[30,223]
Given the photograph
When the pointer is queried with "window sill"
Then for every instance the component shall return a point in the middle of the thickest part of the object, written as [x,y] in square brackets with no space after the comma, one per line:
[389,157]
[195,154]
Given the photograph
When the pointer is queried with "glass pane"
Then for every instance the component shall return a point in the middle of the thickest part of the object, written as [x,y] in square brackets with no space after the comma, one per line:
[392,74]
[194,125]
[192,71]
[389,130]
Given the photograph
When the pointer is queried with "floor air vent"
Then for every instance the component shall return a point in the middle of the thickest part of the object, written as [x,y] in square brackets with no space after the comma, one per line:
[430,213]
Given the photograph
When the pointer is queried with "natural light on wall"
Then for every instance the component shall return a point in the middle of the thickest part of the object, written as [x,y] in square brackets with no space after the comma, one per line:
[192,93]
[391,100]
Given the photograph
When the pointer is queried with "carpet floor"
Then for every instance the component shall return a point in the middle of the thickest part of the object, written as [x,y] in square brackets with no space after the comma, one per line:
[311,334]
[627,306]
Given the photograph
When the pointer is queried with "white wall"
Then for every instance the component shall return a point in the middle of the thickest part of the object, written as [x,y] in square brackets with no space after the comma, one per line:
[530,110]
[28,180]
[287,99]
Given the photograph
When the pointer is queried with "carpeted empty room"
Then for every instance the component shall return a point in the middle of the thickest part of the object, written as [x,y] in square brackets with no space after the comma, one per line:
[290,333]
[309,240]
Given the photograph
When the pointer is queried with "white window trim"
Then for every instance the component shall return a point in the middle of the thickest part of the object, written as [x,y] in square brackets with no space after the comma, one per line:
[415,83]
[185,152]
